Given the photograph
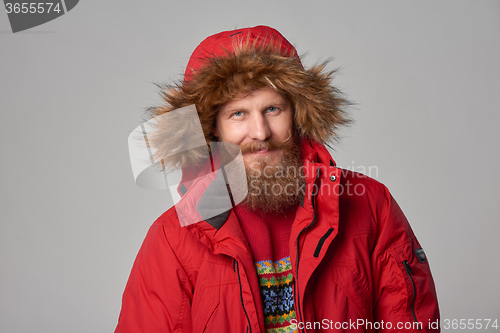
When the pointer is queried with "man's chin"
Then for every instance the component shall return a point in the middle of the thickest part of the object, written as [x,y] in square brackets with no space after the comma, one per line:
[274,184]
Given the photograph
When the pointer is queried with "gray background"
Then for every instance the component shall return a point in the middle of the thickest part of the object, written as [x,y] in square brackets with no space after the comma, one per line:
[425,76]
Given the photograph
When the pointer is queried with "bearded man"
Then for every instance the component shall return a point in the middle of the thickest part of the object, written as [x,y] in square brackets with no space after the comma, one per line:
[311,248]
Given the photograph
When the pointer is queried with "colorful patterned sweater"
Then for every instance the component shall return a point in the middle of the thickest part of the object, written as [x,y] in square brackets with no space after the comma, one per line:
[268,236]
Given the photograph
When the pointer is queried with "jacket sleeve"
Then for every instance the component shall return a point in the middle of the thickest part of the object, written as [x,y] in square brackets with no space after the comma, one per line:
[404,292]
[158,292]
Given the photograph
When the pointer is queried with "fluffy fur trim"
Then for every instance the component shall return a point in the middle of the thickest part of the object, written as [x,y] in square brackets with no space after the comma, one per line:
[319,107]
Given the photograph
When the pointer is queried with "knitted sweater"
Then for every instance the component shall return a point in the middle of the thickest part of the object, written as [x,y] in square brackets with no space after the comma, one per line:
[268,237]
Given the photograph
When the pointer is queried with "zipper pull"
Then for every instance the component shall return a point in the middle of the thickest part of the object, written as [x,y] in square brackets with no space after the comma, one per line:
[407,266]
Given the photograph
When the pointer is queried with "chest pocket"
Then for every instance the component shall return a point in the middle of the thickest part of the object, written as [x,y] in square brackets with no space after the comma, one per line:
[205,303]
[354,288]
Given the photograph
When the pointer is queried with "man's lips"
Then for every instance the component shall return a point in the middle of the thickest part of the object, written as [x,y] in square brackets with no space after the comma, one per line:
[261,151]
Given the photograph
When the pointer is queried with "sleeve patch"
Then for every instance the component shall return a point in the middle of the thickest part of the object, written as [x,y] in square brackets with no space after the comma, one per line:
[420,255]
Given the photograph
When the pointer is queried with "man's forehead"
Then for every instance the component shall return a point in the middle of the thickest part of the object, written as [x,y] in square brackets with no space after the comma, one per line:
[267,93]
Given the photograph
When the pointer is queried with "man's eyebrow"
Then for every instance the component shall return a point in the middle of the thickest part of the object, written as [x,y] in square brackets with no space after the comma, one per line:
[278,103]
[281,104]
[265,106]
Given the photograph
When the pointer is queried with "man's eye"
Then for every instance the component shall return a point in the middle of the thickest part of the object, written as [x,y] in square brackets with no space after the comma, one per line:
[237,114]
[272,109]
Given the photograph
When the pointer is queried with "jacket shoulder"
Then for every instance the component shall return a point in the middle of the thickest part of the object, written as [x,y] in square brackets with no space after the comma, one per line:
[375,200]
[362,188]
[370,183]
[183,241]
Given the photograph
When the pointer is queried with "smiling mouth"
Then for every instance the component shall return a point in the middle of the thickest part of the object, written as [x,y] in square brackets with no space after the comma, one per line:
[261,151]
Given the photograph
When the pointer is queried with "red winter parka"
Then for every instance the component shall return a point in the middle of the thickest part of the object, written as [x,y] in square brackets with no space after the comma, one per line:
[356,263]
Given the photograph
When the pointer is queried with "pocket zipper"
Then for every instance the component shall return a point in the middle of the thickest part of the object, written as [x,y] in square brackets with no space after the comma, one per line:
[408,271]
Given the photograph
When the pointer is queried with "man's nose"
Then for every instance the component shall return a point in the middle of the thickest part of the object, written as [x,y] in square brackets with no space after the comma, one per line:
[258,127]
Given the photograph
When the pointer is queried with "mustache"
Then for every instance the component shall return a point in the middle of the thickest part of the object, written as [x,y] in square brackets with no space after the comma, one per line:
[269,144]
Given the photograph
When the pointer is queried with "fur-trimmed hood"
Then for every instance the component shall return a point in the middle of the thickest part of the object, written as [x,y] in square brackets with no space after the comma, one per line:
[242,60]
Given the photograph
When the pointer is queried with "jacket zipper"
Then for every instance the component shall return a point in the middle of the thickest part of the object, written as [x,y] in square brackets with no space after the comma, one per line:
[408,271]
[296,291]
[236,264]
